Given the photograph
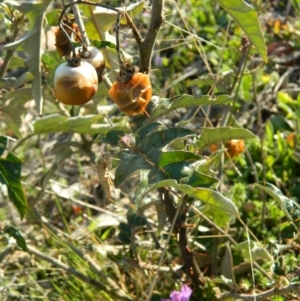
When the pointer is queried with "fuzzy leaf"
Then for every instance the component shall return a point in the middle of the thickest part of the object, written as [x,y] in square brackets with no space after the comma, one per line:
[31,43]
[113,137]
[216,135]
[184,101]
[177,156]
[290,208]
[12,106]
[17,235]
[52,17]
[257,251]
[10,175]
[147,203]
[129,164]
[245,15]
[89,124]
[184,172]
[3,144]
[106,18]
[155,141]
[227,270]
[207,196]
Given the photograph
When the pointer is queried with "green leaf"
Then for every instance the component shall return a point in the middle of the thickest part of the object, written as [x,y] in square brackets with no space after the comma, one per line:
[207,196]
[113,137]
[12,83]
[277,269]
[290,208]
[52,17]
[225,79]
[125,233]
[31,43]
[155,141]
[289,232]
[3,144]
[148,156]
[216,135]
[143,131]
[135,220]
[184,101]
[17,235]
[102,44]
[16,62]
[212,209]
[146,203]
[106,18]
[12,108]
[257,251]
[10,175]
[184,167]
[88,124]
[129,164]
[245,15]
[176,156]
[185,173]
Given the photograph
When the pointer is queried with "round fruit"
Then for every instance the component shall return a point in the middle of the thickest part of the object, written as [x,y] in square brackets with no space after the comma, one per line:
[233,147]
[133,96]
[62,42]
[75,82]
[93,56]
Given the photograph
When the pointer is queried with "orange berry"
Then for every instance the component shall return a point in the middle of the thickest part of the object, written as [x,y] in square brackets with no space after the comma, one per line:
[133,96]
[291,139]
[233,147]
[62,42]
[75,82]
[214,147]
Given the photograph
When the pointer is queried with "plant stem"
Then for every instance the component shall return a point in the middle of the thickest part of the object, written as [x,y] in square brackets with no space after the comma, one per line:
[180,230]
[146,45]
[9,53]
[175,213]
[80,24]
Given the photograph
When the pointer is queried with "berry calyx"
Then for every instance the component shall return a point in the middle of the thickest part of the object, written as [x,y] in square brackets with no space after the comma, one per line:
[93,56]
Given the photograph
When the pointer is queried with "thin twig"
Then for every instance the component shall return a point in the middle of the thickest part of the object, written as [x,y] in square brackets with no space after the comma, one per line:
[180,230]
[148,266]
[163,255]
[230,238]
[8,251]
[292,287]
[118,38]
[135,31]
[80,24]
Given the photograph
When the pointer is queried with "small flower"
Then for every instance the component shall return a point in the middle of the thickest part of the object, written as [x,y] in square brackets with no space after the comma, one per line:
[183,295]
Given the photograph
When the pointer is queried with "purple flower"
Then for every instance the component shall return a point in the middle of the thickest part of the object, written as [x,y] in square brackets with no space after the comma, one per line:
[183,295]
